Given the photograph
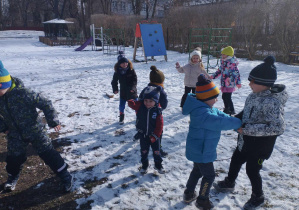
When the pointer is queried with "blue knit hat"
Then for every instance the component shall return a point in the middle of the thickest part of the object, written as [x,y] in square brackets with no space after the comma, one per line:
[152,93]
[5,79]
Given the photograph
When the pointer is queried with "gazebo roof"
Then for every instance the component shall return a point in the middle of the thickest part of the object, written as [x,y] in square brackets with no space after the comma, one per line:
[57,21]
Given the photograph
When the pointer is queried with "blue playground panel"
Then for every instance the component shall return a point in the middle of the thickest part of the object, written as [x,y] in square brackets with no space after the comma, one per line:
[153,40]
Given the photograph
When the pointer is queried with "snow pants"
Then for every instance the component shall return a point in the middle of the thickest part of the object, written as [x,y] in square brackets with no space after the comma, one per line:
[205,170]
[145,144]
[17,149]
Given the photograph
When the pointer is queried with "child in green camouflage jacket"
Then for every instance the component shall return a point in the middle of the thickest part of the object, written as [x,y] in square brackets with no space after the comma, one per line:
[20,121]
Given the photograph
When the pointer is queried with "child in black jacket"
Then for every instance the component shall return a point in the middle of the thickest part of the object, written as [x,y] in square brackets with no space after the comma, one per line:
[125,74]
[150,124]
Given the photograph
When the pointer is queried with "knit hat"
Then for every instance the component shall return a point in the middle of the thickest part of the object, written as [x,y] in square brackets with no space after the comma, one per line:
[123,60]
[121,55]
[206,89]
[156,76]
[265,73]
[153,93]
[5,79]
[228,51]
[196,51]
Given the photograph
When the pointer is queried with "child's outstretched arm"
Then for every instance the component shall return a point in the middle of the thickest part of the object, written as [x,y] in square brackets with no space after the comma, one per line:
[179,68]
[46,106]
[219,122]
[134,104]
[216,74]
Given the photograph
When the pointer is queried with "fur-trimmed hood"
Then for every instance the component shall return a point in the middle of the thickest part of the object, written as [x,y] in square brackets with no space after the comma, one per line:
[117,65]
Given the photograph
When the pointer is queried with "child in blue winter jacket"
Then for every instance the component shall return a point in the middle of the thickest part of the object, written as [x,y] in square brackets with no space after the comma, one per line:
[230,78]
[206,124]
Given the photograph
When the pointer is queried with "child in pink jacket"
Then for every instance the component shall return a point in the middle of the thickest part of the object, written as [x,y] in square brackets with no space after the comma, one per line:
[230,78]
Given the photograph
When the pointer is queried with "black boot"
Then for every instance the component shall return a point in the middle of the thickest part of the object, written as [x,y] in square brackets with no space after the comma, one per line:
[224,186]
[11,182]
[144,167]
[66,180]
[121,118]
[204,204]
[159,168]
[189,196]
[254,202]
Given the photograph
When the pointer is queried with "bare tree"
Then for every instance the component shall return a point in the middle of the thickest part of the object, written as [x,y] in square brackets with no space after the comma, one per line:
[106,6]
[154,8]
[1,20]
[136,6]
[286,27]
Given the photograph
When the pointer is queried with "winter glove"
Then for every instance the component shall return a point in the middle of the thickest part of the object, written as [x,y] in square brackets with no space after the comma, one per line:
[153,138]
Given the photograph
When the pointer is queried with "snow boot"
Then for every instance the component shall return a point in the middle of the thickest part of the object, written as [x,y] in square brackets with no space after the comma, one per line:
[254,201]
[66,180]
[204,204]
[224,186]
[121,118]
[159,168]
[11,182]
[144,168]
[189,196]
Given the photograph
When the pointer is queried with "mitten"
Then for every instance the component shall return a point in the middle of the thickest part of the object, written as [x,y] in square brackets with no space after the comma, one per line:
[153,138]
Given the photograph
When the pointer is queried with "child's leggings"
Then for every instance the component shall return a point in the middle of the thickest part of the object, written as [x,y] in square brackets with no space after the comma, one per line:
[122,105]
[253,167]
[187,90]
[228,103]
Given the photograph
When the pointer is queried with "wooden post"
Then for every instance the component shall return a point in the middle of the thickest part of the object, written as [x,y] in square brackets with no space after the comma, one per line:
[135,49]
[145,58]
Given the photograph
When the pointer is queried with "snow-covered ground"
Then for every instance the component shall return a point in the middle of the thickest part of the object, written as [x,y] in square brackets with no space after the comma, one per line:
[76,82]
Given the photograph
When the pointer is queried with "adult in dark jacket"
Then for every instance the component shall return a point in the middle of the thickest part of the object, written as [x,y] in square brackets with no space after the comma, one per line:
[125,75]
[20,121]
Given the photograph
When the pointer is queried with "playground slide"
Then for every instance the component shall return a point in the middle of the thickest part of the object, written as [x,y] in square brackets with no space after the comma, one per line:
[88,41]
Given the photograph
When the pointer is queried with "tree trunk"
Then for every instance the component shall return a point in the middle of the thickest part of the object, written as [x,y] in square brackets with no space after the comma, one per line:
[83,18]
[154,8]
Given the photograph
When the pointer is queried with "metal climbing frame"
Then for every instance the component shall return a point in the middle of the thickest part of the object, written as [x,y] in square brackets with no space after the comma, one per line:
[211,41]
[115,41]
[110,41]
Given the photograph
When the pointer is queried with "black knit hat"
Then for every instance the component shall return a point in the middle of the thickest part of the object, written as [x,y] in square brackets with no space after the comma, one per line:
[156,76]
[265,73]
[121,54]
[123,60]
